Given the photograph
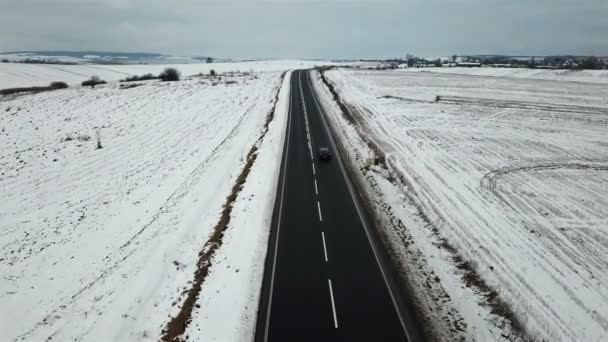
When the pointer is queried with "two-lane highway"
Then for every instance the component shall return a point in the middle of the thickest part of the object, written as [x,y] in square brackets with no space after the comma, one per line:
[323,278]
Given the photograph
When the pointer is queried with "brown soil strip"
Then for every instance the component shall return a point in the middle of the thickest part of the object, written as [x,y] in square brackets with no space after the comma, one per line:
[177,325]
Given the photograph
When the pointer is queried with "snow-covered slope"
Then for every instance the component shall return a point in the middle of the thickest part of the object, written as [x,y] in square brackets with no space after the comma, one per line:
[98,244]
[512,173]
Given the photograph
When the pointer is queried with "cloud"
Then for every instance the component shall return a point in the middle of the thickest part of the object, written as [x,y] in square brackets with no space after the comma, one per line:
[307,28]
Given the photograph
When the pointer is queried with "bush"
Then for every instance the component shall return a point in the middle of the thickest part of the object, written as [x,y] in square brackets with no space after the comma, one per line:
[144,77]
[52,86]
[58,85]
[130,86]
[4,60]
[169,74]
[93,81]
[10,91]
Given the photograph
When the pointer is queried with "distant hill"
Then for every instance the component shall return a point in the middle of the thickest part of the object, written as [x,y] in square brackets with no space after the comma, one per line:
[98,57]
[82,54]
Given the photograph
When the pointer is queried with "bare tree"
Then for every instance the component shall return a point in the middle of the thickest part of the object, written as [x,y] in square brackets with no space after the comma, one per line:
[93,81]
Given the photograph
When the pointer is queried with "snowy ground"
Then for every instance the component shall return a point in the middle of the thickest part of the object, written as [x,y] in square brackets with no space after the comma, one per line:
[230,296]
[592,76]
[28,75]
[98,244]
[511,173]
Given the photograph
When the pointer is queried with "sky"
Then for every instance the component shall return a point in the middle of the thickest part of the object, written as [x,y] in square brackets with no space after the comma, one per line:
[308,28]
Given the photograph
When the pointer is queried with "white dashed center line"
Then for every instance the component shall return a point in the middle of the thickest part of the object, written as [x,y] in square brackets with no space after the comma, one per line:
[324,247]
[319,207]
[333,305]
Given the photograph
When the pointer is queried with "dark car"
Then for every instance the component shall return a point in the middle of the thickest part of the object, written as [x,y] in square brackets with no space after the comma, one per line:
[324,154]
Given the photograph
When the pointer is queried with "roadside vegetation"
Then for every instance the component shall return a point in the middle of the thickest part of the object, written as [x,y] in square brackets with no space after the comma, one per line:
[169,74]
[52,86]
[130,86]
[144,77]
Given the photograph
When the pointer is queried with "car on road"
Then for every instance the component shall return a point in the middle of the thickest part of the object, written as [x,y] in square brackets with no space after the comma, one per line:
[324,154]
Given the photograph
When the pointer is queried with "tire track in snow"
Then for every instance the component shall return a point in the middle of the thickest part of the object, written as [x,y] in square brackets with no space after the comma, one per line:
[491,178]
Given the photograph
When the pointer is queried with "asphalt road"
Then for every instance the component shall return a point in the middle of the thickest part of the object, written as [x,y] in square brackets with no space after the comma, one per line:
[323,277]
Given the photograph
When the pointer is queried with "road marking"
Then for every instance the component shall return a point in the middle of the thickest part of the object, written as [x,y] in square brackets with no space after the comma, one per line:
[316,188]
[319,207]
[313,169]
[357,206]
[276,243]
[302,95]
[308,136]
[324,247]
[310,149]
[309,140]
[333,305]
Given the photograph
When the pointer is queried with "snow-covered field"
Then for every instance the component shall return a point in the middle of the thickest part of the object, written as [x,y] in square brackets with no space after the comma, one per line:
[511,173]
[592,76]
[30,75]
[99,244]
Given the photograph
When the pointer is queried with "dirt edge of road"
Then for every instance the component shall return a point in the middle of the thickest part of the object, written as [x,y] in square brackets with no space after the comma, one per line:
[470,277]
[176,327]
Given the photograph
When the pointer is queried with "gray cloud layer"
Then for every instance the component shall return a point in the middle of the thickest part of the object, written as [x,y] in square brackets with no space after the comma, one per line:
[307,29]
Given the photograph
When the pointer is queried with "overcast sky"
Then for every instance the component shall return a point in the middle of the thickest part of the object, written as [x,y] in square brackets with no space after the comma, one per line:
[307,28]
